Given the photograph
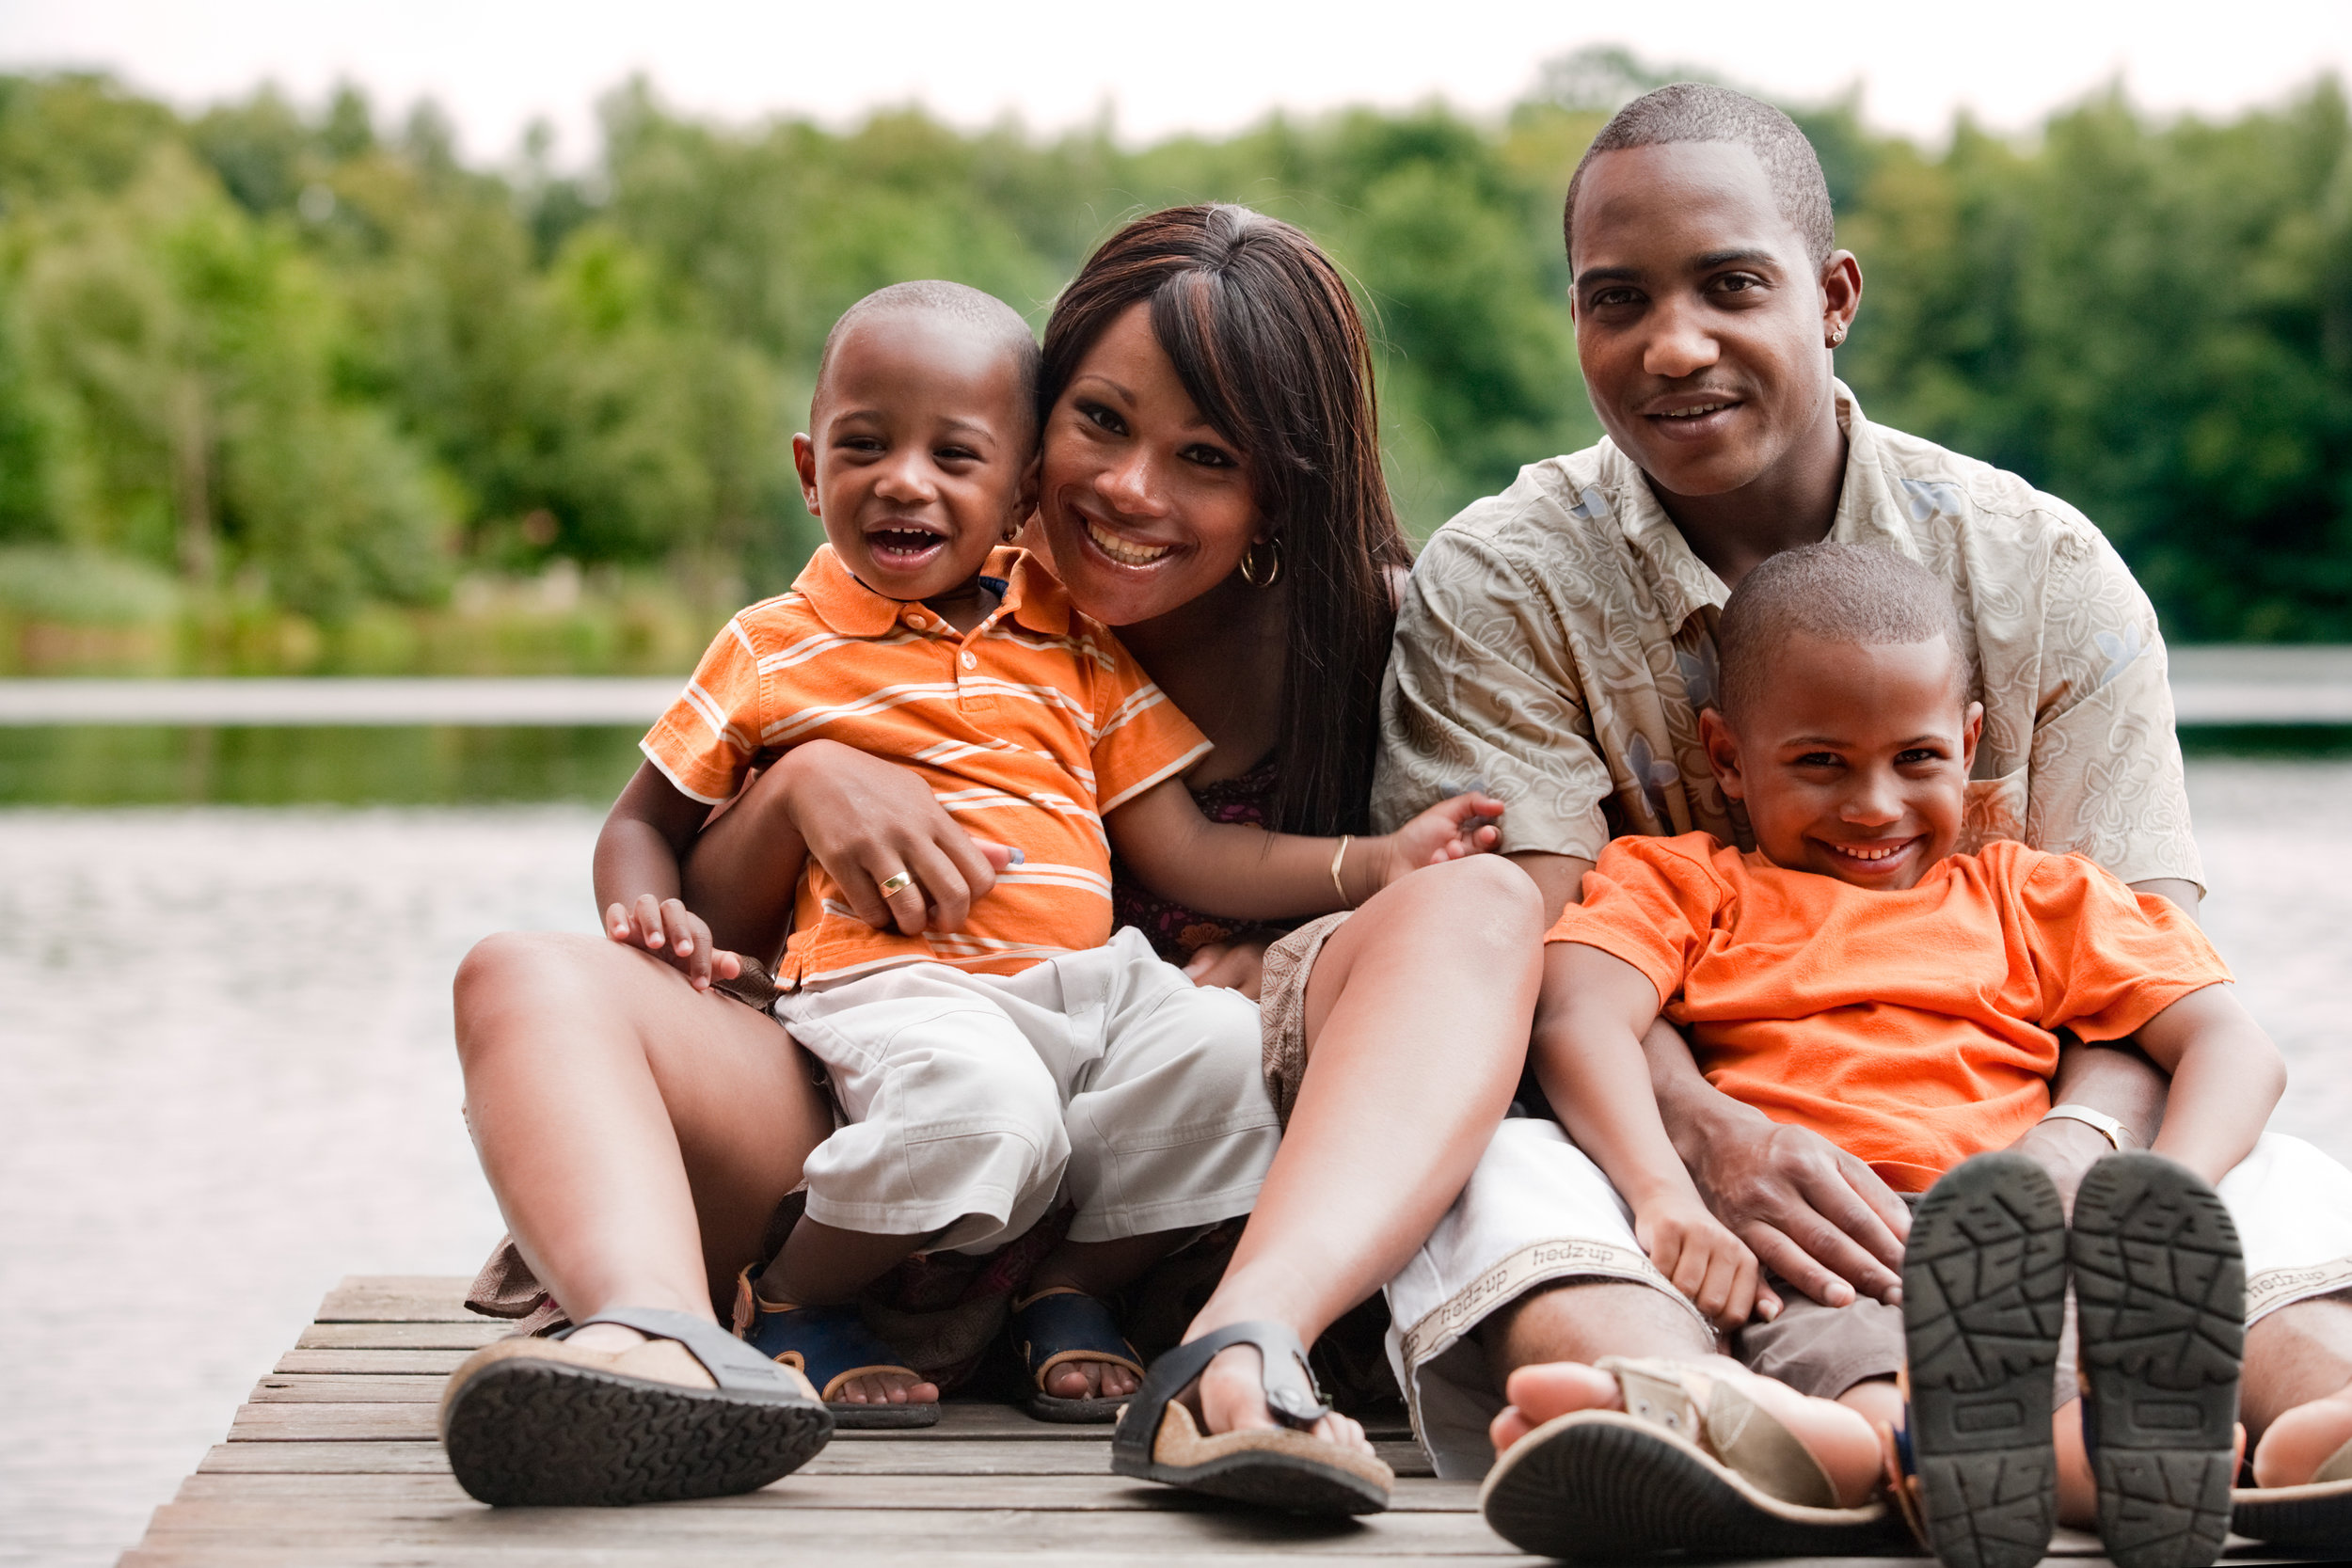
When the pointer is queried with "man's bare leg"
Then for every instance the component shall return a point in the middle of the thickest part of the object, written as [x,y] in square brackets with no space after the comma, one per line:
[1417,1020]
[2296,1396]
[637,1134]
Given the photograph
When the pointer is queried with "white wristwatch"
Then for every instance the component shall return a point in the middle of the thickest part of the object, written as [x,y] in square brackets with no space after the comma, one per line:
[2108,1126]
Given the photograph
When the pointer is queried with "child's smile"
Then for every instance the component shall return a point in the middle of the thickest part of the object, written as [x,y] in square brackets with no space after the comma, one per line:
[1852,759]
[919,461]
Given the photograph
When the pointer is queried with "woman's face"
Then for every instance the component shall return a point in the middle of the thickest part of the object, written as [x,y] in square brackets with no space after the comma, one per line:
[1145,506]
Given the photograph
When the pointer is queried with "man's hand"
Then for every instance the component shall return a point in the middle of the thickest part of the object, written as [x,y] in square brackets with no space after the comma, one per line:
[1813,1214]
[672,933]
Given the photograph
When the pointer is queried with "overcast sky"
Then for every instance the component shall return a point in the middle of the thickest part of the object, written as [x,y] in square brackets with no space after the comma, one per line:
[1207,65]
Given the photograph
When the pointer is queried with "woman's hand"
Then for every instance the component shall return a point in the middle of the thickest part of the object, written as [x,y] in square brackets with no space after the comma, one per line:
[1237,965]
[672,933]
[867,820]
[1704,1260]
[1463,825]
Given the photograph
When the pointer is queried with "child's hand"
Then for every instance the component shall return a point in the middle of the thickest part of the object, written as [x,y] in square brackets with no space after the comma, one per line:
[1446,831]
[674,934]
[1706,1263]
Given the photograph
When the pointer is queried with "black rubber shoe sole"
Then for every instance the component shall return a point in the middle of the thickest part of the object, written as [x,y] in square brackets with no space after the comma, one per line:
[1984,1299]
[539,1434]
[1609,1491]
[2160,1290]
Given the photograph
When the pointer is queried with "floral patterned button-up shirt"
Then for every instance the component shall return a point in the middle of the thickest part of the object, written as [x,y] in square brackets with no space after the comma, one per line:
[1557,643]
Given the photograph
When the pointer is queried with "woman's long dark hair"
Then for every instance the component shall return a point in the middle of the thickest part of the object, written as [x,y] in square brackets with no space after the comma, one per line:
[1267,342]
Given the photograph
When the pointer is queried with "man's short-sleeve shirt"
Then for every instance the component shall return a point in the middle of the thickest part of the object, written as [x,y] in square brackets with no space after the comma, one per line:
[1027,728]
[1557,643]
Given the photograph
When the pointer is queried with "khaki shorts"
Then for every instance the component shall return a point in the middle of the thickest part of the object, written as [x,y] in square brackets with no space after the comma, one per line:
[1282,1007]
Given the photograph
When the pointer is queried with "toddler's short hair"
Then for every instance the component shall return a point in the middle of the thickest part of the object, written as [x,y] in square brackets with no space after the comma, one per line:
[958,302]
[1833,593]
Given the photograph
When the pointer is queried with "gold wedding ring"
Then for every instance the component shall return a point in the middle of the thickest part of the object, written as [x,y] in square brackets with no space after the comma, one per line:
[897,884]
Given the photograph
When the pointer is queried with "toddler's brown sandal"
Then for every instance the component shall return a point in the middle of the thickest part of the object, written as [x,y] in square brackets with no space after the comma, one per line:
[1287,1468]
[1665,1477]
[692,1412]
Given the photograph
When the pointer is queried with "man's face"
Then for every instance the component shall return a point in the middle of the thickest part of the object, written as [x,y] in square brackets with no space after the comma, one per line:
[1700,320]
[1852,760]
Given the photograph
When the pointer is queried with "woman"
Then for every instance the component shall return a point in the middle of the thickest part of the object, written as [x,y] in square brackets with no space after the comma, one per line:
[1211,486]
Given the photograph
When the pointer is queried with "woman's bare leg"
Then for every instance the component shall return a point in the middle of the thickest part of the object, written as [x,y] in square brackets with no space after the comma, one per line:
[1417,1020]
[638,1135]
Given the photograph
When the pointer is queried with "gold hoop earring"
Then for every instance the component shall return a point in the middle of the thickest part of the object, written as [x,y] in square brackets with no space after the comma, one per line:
[1249,560]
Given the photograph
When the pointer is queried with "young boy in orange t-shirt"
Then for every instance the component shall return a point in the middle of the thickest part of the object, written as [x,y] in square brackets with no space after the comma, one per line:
[1854,976]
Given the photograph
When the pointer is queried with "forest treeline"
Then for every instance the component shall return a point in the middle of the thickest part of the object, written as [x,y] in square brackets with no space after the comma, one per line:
[288,388]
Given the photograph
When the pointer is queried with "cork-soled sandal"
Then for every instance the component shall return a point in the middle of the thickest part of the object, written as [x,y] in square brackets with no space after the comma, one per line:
[1287,1468]
[1666,1476]
[541,1423]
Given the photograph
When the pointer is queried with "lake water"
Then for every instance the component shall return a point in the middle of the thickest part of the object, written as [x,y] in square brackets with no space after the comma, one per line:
[226,1081]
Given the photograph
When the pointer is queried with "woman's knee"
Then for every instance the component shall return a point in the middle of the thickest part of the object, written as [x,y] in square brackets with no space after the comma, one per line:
[1480,899]
[518,970]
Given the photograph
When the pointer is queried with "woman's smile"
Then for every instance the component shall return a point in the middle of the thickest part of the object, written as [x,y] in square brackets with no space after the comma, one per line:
[1121,552]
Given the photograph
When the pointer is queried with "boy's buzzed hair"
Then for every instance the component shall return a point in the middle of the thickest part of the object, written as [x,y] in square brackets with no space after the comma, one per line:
[1700,111]
[956,301]
[1832,593]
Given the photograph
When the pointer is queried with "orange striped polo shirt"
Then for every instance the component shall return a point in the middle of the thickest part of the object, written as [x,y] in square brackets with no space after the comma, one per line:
[1028,729]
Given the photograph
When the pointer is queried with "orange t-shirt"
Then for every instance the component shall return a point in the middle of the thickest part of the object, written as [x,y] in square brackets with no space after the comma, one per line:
[1029,728]
[1910,1029]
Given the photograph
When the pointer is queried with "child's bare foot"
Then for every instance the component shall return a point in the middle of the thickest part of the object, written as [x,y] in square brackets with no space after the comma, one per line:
[1091,1379]
[2302,1439]
[1230,1396]
[887,1388]
[1836,1435]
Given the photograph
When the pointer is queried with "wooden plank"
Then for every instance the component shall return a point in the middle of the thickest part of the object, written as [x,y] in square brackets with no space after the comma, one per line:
[363,1388]
[398,1298]
[879,1549]
[365,1495]
[424,1526]
[470,1334]
[323,1459]
[333,1423]
[370,1362]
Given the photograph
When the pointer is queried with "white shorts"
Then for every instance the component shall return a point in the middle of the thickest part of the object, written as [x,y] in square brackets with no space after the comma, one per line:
[976,1102]
[1537,1212]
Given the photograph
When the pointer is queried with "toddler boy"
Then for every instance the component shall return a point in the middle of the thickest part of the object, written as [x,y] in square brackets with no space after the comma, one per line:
[1030,1057]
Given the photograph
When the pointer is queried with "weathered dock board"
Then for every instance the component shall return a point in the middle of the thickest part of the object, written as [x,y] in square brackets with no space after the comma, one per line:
[332,1462]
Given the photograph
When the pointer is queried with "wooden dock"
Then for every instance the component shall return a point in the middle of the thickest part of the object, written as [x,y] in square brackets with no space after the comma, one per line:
[333,1463]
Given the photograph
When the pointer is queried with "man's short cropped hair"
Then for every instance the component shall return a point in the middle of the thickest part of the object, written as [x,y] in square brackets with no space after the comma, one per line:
[958,302]
[1700,111]
[1832,593]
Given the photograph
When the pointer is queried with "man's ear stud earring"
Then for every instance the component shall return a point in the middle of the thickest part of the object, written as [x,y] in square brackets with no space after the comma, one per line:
[1836,334]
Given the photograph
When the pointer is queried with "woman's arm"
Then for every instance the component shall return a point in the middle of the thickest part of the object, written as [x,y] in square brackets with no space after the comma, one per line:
[1246,873]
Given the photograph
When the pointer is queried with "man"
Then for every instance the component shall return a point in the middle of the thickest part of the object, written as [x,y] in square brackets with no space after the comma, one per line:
[1557,643]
